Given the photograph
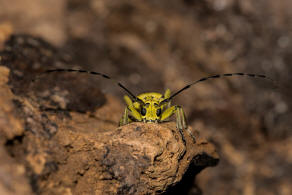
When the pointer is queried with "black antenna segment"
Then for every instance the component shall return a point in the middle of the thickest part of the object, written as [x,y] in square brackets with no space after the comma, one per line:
[94,73]
[216,77]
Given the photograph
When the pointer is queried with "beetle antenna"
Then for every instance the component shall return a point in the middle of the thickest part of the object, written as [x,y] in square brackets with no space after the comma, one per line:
[219,76]
[93,73]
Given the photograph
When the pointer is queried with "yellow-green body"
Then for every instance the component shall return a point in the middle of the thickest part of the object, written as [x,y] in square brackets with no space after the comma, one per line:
[151,109]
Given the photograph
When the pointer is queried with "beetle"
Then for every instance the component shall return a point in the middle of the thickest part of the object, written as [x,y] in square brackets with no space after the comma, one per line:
[152,107]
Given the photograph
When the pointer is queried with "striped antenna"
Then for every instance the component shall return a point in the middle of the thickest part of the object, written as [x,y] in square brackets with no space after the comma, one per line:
[94,73]
[216,77]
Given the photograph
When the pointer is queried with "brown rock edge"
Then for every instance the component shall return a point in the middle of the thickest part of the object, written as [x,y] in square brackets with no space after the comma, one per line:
[47,153]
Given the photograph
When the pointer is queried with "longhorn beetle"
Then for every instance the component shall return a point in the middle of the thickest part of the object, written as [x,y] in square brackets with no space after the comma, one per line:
[152,107]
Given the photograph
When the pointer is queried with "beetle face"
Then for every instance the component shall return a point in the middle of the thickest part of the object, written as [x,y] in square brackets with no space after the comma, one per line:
[151,111]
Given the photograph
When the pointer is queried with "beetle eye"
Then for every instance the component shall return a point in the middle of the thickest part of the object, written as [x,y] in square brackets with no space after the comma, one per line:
[158,112]
[143,111]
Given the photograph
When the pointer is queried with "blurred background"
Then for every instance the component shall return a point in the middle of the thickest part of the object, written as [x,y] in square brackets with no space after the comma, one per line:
[153,45]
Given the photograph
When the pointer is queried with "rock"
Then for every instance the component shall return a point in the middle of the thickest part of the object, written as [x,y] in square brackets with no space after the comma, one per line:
[137,158]
[64,140]
[87,154]
[10,125]
[12,173]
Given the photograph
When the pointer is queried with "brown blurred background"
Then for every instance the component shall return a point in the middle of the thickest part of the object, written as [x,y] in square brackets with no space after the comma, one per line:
[153,45]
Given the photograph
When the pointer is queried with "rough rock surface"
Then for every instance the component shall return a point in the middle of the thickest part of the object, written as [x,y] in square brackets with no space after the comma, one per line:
[154,45]
[12,173]
[46,149]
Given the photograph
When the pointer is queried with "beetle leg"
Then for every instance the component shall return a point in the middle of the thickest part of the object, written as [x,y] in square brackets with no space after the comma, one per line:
[134,113]
[125,118]
[181,123]
[130,110]
[166,95]
[181,117]
[167,113]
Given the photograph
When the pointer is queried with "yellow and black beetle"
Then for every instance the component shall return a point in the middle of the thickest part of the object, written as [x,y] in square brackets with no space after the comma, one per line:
[155,107]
